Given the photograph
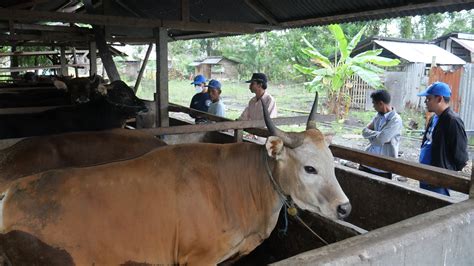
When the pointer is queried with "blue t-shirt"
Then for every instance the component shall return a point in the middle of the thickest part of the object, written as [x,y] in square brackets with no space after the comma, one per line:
[217,108]
[425,157]
[425,151]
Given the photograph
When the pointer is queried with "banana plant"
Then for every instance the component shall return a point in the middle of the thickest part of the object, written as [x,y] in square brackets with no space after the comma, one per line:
[331,76]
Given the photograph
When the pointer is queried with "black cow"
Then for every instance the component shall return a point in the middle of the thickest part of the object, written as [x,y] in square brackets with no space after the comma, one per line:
[109,111]
[61,91]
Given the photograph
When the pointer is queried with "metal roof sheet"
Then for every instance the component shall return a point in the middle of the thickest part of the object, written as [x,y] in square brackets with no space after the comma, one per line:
[468,44]
[421,52]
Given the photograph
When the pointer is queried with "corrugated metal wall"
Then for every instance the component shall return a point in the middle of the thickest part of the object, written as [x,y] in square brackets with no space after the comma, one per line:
[466,96]
[452,77]
[415,82]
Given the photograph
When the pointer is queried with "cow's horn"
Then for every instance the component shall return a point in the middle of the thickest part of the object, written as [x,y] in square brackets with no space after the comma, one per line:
[311,124]
[290,141]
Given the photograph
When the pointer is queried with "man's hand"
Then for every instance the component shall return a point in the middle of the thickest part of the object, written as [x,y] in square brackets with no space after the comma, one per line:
[370,125]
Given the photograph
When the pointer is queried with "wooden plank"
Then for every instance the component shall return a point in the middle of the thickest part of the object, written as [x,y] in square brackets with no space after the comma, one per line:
[121,21]
[13,69]
[255,131]
[161,96]
[38,27]
[433,175]
[142,69]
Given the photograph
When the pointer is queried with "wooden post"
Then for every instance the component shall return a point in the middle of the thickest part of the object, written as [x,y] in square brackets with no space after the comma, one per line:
[64,70]
[93,58]
[74,58]
[471,191]
[104,51]
[14,62]
[161,95]
[238,135]
[142,69]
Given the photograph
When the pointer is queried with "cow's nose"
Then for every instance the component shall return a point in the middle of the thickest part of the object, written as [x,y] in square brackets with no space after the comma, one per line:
[344,210]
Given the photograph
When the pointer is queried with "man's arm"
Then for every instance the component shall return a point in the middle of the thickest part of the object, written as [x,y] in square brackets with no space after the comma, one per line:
[457,143]
[245,114]
[389,131]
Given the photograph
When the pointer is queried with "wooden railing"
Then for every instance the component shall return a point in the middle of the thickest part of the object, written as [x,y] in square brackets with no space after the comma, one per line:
[433,175]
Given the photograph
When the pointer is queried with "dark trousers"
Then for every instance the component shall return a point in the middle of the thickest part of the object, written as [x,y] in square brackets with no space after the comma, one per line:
[368,170]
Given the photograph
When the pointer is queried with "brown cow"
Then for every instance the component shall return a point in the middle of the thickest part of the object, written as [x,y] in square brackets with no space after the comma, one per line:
[196,204]
[38,154]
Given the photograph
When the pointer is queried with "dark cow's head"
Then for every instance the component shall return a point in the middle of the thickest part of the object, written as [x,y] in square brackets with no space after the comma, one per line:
[122,97]
[305,168]
[82,90]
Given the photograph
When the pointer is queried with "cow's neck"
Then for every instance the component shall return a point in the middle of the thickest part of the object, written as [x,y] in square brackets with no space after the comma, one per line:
[264,203]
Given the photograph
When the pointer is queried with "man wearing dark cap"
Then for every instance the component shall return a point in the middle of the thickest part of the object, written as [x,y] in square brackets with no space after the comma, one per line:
[258,85]
[444,141]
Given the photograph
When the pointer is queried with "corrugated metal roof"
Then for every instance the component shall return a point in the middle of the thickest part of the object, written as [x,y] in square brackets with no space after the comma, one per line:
[421,52]
[211,60]
[468,44]
[288,13]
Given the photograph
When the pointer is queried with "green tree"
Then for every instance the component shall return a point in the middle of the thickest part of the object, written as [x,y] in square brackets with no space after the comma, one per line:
[406,27]
[330,77]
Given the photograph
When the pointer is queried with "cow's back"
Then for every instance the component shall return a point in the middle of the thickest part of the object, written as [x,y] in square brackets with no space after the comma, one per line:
[77,149]
[167,206]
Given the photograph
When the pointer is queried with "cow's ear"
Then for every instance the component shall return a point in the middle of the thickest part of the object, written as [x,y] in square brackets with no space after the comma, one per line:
[275,147]
[60,85]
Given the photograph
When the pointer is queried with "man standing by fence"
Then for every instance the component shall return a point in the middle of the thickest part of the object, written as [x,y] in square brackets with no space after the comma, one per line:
[384,132]
[444,141]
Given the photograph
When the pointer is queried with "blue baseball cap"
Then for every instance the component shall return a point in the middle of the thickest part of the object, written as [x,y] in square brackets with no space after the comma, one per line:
[214,84]
[199,79]
[437,89]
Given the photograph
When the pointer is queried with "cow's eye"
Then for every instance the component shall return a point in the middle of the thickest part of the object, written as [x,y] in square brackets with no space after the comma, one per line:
[310,170]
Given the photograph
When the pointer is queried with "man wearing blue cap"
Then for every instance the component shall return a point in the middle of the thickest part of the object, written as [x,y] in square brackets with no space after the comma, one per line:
[201,100]
[444,141]
[217,106]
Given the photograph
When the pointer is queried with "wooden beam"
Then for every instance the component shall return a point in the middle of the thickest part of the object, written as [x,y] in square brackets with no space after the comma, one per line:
[143,67]
[185,10]
[27,4]
[16,69]
[161,95]
[107,20]
[431,5]
[224,126]
[28,53]
[430,174]
[262,11]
